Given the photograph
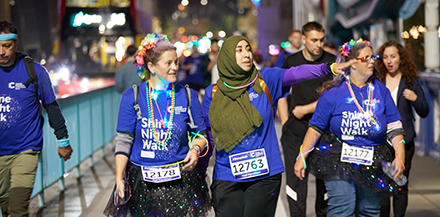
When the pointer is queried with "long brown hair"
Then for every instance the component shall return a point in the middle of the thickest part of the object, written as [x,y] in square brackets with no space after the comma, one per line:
[407,66]
[354,52]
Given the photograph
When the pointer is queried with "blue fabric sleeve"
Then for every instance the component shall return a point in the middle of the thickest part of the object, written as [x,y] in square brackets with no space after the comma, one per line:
[391,111]
[206,103]
[127,115]
[196,111]
[45,89]
[323,112]
[273,77]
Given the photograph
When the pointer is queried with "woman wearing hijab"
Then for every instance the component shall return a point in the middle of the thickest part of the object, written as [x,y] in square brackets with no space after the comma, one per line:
[239,114]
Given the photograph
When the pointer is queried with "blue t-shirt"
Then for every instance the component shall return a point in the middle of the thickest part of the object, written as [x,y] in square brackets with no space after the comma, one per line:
[20,125]
[145,151]
[336,111]
[195,74]
[263,136]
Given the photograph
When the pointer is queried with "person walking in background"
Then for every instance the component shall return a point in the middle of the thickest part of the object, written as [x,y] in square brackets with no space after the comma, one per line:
[295,46]
[295,115]
[193,64]
[399,73]
[156,173]
[239,113]
[21,123]
[354,115]
[212,67]
[126,74]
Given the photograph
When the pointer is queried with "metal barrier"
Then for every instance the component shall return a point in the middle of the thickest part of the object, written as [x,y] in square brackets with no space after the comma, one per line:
[91,120]
[427,140]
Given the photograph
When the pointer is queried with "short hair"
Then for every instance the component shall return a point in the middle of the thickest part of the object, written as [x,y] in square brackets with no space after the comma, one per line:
[131,50]
[330,44]
[6,26]
[214,40]
[294,31]
[313,25]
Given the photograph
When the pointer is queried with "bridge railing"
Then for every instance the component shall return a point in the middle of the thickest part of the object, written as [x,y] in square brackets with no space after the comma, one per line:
[428,129]
[91,120]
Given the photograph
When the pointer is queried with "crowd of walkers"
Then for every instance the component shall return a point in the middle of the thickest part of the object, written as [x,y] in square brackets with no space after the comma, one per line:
[345,118]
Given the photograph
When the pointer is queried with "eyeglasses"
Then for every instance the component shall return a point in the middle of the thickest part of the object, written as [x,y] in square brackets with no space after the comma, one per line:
[368,58]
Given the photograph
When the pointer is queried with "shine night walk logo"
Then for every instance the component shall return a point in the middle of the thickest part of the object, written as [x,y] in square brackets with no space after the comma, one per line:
[9,111]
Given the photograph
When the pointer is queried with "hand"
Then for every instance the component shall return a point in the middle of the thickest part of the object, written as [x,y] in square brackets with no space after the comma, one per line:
[338,68]
[191,160]
[398,169]
[120,189]
[409,95]
[299,168]
[299,112]
[65,152]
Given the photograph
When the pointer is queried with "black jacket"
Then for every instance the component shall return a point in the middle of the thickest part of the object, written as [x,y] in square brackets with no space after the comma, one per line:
[404,106]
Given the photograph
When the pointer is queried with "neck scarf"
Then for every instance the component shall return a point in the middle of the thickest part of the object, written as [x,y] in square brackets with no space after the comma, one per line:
[231,113]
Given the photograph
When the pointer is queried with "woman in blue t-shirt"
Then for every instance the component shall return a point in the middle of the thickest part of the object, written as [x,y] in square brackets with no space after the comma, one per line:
[361,116]
[239,111]
[156,173]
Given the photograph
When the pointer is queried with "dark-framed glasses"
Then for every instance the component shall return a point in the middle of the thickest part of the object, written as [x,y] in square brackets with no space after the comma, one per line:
[368,58]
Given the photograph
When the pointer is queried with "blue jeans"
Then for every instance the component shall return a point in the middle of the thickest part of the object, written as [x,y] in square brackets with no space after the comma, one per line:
[346,199]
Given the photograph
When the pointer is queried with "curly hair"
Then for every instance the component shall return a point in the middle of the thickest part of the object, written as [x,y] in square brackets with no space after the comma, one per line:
[407,66]
[354,53]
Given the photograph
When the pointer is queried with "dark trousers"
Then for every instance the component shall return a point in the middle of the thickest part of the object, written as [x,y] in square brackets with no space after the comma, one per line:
[246,199]
[296,189]
[400,198]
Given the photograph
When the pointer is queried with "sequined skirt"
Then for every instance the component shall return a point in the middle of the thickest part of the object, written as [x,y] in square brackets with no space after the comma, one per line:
[187,196]
[324,162]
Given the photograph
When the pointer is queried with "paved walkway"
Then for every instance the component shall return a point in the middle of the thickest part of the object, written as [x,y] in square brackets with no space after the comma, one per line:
[88,195]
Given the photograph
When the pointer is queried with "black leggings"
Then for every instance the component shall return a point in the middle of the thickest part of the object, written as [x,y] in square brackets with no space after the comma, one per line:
[246,199]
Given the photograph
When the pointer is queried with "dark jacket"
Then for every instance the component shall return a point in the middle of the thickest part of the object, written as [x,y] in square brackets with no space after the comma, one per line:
[404,106]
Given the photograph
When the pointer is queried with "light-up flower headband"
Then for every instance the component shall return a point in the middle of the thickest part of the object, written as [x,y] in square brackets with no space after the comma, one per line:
[149,42]
[344,50]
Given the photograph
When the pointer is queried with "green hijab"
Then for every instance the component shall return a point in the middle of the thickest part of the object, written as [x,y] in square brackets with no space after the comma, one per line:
[231,113]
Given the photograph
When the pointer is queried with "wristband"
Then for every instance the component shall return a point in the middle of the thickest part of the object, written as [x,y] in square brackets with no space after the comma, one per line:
[197,149]
[62,143]
[331,68]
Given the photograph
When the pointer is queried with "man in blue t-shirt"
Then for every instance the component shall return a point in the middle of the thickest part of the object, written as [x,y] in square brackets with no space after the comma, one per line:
[21,123]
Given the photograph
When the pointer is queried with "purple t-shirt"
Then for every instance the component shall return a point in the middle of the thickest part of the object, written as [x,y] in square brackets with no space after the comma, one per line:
[20,125]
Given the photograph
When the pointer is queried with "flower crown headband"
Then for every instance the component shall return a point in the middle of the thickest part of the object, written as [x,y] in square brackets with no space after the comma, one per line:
[149,42]
[344,50]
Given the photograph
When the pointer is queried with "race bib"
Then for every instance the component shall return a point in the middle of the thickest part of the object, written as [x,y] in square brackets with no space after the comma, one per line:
[161,174]
[249,164]
[357,154]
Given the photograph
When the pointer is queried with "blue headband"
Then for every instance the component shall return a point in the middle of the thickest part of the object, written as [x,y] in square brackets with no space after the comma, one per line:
[10,36]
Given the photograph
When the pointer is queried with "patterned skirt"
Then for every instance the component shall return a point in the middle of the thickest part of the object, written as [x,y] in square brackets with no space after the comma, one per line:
[187,196]
[325,163]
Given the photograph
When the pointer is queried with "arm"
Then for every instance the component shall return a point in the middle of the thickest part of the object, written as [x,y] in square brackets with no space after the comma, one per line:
[212,63]
[300,73]
[420,104]
[308,143]
[283,110]
[119,80]
[301,110]
[120,164]
[192,157]
[398,162]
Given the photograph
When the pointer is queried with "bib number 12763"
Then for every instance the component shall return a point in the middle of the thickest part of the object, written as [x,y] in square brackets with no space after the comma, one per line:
[249,164]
